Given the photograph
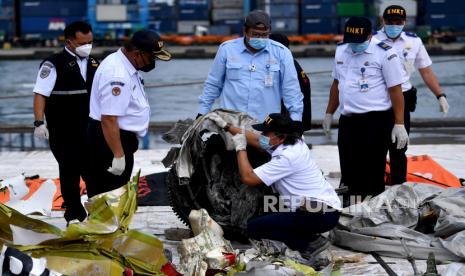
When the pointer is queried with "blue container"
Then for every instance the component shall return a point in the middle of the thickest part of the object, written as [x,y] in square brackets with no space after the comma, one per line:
[163,26]
[452,22]
[162,11]
[282,10]
[225,14]
[285,25]
[318,10]
[49,8]
[45,27]
[235,25]
[278,2]
[6,13]
[193,14]
[133,13]
[188,4]
[444,6]
[317,1]
[318,25]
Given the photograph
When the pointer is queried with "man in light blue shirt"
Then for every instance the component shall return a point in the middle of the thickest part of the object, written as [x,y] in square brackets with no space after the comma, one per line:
[253,73]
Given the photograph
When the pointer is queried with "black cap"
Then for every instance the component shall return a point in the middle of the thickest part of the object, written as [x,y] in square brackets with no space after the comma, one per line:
[281,38]
[357,30]
[277,122]
[149,41]
[257,17]
[395,12]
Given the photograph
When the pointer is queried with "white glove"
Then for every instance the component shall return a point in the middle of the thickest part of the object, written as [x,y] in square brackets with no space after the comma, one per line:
[400,134]
[327,123]
[41,132]
[217,119]
[240,142]
[443,105]
[117,166]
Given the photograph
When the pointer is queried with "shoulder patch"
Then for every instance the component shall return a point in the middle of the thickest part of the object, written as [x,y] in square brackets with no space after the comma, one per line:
[410,34]
[113,83]
[116,91]
[45,71]
[48,64]
[392,56]
[384,46]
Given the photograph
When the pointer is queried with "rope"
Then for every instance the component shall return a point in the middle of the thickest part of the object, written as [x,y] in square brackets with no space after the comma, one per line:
[198,82]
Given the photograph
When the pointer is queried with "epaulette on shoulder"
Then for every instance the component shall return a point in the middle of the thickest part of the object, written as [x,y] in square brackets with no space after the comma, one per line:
[277,44]
[374,33]
[340,43]
[410,34]
[384,46]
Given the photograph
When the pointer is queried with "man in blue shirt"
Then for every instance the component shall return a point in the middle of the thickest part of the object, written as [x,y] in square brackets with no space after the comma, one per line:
[253,74]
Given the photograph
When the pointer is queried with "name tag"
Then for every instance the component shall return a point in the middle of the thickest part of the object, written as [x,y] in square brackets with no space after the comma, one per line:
[268,80]
[363,85]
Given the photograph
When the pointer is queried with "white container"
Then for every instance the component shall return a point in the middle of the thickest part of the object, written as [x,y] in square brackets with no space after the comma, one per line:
[114,13]
[410,6]
[188,27]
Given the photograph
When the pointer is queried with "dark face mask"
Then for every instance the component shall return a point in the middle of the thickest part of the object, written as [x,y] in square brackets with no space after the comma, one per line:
[148,67]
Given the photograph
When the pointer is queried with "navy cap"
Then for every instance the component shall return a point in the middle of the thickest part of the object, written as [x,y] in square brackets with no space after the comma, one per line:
[257,17]
[149,41]
[279,123]
[395,12]
[357,30]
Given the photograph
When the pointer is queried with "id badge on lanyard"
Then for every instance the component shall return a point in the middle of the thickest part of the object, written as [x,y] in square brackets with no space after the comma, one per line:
[363,82]
[268,77]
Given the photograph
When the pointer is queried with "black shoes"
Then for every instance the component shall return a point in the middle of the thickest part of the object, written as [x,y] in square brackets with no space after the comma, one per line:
[315,247]
[77,212]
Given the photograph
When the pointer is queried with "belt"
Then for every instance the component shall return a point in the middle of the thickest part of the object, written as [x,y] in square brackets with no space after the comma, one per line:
[316,207]
[70,92]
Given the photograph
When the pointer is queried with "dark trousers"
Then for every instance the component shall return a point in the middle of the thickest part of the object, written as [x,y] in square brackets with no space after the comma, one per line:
[101,157]
[68,144]
[397,157]
[363,142]
[296,229]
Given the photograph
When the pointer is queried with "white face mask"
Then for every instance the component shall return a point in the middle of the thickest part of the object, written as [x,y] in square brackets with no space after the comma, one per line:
[84,50]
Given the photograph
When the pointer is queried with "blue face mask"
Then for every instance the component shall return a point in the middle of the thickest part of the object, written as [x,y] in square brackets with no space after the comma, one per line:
[359,47]
[257,43]
[265,143]
[393,31]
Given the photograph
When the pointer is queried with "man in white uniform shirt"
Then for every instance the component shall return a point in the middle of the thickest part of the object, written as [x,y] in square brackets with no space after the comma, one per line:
[119,111]
[313,206]
[61,111]
[413,54]
[367,89]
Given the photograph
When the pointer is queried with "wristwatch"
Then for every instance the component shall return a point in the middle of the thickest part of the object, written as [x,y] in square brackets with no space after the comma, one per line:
[38,123]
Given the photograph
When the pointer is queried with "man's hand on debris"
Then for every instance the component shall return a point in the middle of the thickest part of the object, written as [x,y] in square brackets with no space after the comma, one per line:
[443,104]
[240,142]
[217,119]
[117,165]
[400,134]
[327,123]
[41,132]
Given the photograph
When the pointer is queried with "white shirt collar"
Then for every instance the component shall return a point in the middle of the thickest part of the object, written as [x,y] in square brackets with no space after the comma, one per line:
[131,69]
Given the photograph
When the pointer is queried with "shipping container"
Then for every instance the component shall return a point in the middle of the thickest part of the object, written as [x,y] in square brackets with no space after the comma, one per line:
[162,11]
[446,22]
[228,4]
[45,27]
[188,4]
[444,6]
[304,2]
[285,25]
[219,30]
[351,9]
[319,25]
[410,6]
[7,29]
[6,13]
[163,26]
[281,10]
[276,2]
[318,10]
[111,13]
[224,14]
[235,25]
[133,13]
[188,27]
[53,8]
[193,14]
